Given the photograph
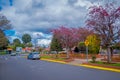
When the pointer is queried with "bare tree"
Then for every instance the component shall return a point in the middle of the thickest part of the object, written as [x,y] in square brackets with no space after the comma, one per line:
[4,23]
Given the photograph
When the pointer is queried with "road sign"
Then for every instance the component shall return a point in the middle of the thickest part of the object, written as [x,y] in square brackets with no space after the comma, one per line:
[86,42]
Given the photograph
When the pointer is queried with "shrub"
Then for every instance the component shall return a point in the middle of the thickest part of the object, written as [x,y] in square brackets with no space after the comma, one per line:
[93,59]
[2,52]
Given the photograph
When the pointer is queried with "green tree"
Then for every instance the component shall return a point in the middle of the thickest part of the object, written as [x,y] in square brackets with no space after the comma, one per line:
[55,45]
[26,38]
[3,40]
[16,42]
[4,25]
[81,47]
[22,45]
[12,46]
[117,46]
[94,43]
[40,49]
[29,44]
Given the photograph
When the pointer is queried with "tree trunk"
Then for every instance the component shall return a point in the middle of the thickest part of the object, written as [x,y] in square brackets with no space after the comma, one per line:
[108,55]
[56,54]
[111,49]
[67,52]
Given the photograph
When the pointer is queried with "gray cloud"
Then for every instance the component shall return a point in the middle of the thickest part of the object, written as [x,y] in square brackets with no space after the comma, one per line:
[42,15]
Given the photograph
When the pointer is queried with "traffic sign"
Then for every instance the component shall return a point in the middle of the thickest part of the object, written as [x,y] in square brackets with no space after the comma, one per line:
[86,42]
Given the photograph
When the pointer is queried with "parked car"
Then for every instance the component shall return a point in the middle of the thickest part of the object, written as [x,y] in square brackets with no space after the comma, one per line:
[13,54]
[34,55]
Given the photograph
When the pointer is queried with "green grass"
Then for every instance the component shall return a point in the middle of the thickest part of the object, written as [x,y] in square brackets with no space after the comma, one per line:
[2,52]
[105,63]
[59,59]
[117,64]
[51,57]
[46,57]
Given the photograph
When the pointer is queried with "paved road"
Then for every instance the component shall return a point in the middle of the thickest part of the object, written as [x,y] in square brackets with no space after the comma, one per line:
[19,68]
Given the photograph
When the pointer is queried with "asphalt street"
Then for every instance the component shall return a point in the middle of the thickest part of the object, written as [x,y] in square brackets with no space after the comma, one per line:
[20,68]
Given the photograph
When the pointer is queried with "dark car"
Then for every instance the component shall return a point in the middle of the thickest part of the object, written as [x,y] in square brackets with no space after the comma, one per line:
[34,55]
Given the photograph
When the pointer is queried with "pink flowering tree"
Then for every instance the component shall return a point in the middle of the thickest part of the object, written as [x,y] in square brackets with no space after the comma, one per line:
[82,34]
[105,21]
[66,36]
[70,37]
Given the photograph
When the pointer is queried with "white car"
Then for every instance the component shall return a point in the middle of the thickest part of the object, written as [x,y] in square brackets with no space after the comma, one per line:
[13,54]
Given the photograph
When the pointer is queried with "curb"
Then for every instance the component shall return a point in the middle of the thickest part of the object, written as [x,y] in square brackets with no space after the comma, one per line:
[49,60]
[83,65]
[101,68]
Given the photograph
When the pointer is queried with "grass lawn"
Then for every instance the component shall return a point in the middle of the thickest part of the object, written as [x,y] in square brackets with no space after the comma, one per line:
[116,64]
[46,57]
[51,57]
[2,52]
[109,64]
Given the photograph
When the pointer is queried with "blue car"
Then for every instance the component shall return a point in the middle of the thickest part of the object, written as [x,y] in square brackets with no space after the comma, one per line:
[34,55]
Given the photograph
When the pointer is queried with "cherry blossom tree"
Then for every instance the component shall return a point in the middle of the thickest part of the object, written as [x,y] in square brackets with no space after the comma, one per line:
[105,21]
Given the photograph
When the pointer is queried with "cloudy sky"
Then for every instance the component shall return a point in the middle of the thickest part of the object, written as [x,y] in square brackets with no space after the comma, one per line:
[38,17]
